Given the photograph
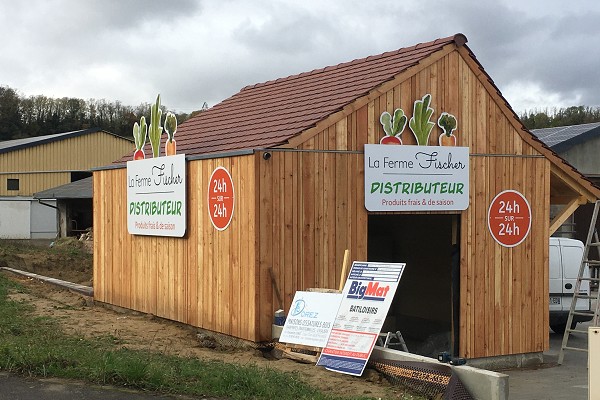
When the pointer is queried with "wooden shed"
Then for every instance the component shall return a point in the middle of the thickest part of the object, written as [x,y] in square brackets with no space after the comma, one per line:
[294,148]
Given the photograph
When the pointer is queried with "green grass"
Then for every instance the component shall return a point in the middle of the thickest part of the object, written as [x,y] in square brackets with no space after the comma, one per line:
[36,346]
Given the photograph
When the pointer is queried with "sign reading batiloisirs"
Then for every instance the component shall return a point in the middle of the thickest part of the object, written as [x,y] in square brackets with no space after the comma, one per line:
[416,178]
[156,196]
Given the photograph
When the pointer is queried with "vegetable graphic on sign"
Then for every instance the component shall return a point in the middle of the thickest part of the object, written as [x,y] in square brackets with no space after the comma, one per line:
[155,130]
[170,128]
[392,126]
[419,123]
[448,124]
[140,131]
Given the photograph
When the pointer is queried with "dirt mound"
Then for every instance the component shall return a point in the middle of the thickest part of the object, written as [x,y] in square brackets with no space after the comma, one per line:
[68,260]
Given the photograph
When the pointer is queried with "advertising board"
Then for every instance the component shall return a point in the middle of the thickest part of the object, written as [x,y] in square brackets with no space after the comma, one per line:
[416,178]
[156,196]
[366,299]
[310,319]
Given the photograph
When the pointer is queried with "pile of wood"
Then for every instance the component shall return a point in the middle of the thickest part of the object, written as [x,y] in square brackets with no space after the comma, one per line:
[87,240]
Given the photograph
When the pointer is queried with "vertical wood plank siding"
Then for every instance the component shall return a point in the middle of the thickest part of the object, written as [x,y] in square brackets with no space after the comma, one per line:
[78,153]
[205,279]
[309,207]
[504,291]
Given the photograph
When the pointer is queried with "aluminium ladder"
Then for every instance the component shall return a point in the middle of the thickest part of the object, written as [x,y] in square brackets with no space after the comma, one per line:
[594,277]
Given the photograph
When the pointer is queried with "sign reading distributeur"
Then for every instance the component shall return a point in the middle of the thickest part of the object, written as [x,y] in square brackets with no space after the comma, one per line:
[156,196]
[416,178]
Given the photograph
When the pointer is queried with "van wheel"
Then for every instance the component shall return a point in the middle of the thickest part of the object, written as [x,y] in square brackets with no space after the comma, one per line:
[560,328]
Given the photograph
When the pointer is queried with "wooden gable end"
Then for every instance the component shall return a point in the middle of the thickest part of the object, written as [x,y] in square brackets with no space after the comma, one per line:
[315,194]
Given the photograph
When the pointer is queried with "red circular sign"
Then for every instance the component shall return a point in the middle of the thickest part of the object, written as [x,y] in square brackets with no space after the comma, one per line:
[509,218]
[220,198]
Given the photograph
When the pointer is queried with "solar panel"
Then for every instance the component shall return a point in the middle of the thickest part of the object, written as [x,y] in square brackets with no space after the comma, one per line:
[553,136]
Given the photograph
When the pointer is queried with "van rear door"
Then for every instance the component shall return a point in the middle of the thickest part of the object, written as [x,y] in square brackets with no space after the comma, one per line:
[556,273]
[572,253]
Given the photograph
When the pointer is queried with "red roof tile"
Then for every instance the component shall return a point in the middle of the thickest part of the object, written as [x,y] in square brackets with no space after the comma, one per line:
[270,113]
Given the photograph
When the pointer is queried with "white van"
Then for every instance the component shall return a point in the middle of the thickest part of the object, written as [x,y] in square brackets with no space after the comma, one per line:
[565,260]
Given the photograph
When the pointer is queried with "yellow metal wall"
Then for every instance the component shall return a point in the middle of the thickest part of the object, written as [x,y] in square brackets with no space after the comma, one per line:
[48,165]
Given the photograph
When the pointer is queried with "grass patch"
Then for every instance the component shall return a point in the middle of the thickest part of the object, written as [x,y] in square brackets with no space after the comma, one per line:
[66,247]
[36,346]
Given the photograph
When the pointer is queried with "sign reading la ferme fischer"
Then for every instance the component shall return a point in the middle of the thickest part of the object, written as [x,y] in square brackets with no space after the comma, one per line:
[156,186]
[417,178]
[156,196]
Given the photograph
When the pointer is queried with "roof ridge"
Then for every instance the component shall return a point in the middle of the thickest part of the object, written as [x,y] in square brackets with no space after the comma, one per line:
[457,38]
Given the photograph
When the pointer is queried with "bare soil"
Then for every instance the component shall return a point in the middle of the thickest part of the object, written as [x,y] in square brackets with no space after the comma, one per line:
[70,260]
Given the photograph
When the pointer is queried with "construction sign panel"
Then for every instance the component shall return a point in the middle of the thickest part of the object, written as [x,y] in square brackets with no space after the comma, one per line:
[156,196]
[310,318]
[366,299]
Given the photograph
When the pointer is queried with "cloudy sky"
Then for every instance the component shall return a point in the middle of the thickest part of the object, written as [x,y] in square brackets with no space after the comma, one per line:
[540,53]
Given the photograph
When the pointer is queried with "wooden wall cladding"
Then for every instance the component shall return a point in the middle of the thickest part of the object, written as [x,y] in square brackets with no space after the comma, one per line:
[311,208]
[206,279]
[300,209]
[504,291]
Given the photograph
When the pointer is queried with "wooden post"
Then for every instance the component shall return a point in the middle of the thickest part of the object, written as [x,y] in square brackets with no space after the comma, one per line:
[344,274]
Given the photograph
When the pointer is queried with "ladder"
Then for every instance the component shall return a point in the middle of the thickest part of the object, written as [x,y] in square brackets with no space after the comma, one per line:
[594,278]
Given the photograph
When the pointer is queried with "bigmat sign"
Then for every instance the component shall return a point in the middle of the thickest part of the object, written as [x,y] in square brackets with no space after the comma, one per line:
[156,196]
[366,299]
[416,178]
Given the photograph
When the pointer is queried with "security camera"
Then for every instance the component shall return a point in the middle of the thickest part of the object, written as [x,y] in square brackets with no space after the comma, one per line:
[266,155]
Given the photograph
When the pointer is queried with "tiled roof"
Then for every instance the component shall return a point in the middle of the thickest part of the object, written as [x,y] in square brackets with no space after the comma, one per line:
[269,114]
[16,144]
[562,137]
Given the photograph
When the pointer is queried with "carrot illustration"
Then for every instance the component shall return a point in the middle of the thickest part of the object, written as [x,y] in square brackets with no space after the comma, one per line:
[140,132]
[170,128]
[392,126]
[448,124]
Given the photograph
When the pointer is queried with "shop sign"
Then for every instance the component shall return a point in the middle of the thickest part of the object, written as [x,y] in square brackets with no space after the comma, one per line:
[366,299]
[509,218]
[156,196]
[221,198]
[416,178]
[310,319]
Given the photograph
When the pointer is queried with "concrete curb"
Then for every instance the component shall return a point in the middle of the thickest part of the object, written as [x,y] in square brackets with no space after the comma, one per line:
[481,384]
[81,289]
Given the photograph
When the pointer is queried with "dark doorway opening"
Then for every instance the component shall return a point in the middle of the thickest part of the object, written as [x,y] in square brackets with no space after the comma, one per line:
[426,305]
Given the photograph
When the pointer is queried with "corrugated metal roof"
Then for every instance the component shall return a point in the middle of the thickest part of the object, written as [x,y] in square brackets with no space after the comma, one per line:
[561,137]
[81,189]
[17,144]
[269,114]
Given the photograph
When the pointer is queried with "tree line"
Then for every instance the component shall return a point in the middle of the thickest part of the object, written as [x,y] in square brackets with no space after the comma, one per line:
[575,115]
[22,117]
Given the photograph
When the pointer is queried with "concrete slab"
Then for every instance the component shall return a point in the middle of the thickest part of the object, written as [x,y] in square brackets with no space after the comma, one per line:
[481,384]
